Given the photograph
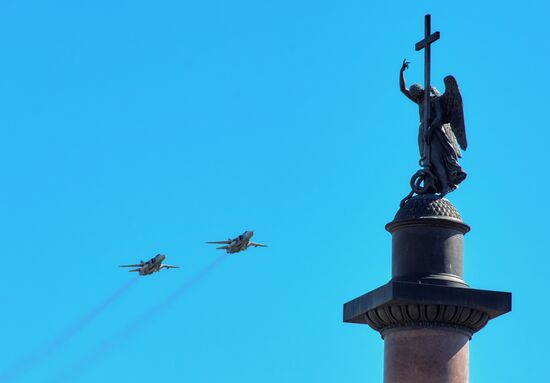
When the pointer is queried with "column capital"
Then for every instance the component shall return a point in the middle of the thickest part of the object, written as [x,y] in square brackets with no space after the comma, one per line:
[403,304]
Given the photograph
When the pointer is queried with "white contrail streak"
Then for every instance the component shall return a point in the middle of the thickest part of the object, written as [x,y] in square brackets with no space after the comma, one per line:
[24,364]
[86,361]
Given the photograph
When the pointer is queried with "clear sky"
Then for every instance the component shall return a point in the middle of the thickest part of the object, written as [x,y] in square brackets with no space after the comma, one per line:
[130,128]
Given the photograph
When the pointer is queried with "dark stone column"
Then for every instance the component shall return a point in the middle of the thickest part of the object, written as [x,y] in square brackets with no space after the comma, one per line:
[426,355]
[426,313]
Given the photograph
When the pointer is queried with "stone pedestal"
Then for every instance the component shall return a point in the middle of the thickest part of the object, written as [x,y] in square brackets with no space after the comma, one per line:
[427,313]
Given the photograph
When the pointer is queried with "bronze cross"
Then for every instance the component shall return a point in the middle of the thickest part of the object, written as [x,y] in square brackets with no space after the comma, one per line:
[429,38]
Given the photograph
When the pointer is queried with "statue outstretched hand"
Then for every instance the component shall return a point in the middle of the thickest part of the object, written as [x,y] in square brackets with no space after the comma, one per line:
[405,65]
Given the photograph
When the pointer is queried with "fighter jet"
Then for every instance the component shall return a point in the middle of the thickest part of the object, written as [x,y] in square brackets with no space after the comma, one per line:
[241,243]
[151,266]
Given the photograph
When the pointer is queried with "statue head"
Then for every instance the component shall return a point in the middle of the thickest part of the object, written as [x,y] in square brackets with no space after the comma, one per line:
[416,91]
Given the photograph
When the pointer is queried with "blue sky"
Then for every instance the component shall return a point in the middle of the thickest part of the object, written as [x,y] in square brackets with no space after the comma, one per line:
[130,128]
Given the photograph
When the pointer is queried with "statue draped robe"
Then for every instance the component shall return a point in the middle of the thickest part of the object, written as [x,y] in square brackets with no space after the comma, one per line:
[441,149]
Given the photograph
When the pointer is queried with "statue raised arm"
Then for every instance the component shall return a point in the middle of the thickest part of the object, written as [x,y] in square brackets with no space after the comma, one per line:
[407,92]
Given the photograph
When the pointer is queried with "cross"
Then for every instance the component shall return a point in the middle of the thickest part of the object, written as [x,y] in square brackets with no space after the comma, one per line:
[429,38]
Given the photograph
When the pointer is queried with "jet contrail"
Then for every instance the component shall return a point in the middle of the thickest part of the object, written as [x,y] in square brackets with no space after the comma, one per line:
[24,364]
[87,360]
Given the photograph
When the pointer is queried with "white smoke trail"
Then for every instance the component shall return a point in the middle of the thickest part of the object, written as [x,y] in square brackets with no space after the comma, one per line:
[27,362]
[86,361]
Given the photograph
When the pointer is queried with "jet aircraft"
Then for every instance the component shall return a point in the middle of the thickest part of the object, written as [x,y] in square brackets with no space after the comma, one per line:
[151,266]
[241,243]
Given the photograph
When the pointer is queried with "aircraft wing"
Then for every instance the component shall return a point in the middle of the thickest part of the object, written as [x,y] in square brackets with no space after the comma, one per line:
[138,265]
[136,270]
[170,267]
[257,244]
[221,242]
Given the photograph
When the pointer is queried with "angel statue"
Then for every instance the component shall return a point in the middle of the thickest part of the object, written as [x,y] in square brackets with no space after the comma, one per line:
[440,140]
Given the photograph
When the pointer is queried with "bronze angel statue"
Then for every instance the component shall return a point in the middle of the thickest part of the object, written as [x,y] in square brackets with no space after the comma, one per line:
[440,140]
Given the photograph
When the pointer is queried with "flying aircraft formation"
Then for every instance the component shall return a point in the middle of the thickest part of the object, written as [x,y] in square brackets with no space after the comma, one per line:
[235,245]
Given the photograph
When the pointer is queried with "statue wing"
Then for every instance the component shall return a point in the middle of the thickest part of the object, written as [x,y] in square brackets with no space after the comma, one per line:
[453,114]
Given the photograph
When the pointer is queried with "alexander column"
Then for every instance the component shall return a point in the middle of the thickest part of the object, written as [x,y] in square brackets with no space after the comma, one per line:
[427,314]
